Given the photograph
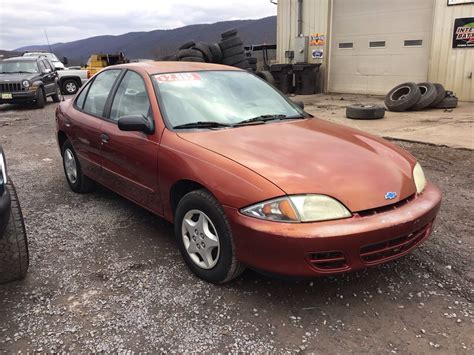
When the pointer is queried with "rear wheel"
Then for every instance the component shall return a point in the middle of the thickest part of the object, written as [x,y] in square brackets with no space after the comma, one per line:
[77,181]
[205,239]
[70,87]
[14,257]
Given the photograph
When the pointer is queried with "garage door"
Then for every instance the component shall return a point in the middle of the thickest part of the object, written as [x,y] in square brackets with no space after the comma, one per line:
[377,44]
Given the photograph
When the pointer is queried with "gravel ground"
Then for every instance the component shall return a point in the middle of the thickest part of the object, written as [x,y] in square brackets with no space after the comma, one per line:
[106,275]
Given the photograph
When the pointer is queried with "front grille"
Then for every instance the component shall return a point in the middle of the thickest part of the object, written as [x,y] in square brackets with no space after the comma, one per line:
[11,87]
[388,208]
[390,249]
[328,261]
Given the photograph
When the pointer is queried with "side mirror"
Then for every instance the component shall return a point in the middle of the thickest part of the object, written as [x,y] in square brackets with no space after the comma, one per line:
[136,123]
[300,104]
[65,61]
[47,71]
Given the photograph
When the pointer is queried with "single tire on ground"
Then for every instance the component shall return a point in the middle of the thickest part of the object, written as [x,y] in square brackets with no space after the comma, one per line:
[229,33]
[192,59]
[205,50]
[40,98]
[365,112]
[230,42]
[77,181]
[190,53]
[69,87]
[216,52]
[224,266]
[428,96]
[266,75]
[234,59]
[402,97]
[441,94]
[57,95]
[187,45]
[226,53]
[448,102]
[14,257]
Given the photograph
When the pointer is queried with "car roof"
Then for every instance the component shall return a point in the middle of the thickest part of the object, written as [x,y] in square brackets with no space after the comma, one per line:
[161,67]
[23,59]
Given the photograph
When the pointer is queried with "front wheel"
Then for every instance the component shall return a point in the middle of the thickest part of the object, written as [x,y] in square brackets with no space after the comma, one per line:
[57,95]
[14,257]
[77,181]
[205,239]
[40,98]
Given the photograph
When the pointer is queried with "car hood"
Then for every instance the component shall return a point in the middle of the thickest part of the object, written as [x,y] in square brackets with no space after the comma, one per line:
[316,156]
[15,78]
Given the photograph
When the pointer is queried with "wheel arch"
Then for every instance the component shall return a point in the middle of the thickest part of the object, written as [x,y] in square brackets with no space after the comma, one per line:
[75,78]
[180,188]
[62,137]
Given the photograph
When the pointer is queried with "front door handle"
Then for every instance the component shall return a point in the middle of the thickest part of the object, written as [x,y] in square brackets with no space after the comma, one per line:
[104,138]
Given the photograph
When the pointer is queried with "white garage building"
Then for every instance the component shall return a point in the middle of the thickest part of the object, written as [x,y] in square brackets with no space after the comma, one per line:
[369,46]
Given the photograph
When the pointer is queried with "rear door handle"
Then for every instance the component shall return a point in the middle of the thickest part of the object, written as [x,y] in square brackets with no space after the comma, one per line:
[104,138]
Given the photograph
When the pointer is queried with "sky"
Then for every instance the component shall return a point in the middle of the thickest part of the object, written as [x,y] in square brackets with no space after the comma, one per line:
[22,22]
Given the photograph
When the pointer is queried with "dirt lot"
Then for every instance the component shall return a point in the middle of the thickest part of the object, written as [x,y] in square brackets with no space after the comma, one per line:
[106,275]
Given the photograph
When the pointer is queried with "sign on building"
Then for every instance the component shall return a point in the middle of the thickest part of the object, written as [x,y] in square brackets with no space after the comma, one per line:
[463,36]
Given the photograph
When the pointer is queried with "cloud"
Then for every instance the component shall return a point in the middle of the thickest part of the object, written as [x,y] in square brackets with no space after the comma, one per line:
[22,22]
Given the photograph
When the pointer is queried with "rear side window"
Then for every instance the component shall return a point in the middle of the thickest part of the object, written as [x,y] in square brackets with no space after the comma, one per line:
[42,67]
[131,97]
[99,92]
[81,98]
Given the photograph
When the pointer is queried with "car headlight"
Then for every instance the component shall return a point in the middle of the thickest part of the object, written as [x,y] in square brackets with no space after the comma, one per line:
[419,177]
[3,169]
[26,83]
[298,208]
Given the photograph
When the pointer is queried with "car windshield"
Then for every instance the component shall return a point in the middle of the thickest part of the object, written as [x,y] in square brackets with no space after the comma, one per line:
[20,66]
[222,98]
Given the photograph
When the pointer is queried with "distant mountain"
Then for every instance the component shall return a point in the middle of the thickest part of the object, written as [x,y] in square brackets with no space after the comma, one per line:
[6,54]
[155,44]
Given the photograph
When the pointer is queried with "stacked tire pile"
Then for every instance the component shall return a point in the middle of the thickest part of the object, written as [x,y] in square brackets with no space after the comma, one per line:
[229,51]
[416,97]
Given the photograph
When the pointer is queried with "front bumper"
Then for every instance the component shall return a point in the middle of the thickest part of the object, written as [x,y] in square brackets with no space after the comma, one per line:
[5,206]
[19,97]
[322,248]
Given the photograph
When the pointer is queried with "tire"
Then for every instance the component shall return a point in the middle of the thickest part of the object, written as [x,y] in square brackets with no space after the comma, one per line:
[192,59]
[365,112]
[40,98]
[204,49]
[169,58]
[429,94]
[187,45]
[216,53]
[226,53]
[81,184]
[230,42]
[222,265]
[57,96]
[234,59]
[243,64]
[266,75]
[402,97]
[448,102]
[69,87]
[14,256]
[190,53]
[441,94]
[229,33]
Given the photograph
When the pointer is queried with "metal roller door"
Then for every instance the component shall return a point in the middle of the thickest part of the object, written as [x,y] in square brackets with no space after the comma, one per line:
[377,44]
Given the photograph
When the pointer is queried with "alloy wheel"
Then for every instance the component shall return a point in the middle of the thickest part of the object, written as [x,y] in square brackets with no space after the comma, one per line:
[70,166]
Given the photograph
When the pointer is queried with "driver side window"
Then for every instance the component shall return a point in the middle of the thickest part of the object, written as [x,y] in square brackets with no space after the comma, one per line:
[131,98]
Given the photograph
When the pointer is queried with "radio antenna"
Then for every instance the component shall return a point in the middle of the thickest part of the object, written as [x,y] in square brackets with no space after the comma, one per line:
[47,40]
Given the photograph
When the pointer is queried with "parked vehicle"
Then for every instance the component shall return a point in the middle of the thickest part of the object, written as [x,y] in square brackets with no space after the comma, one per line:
[70,80]
[247,177]
[28,80]
[14,257]
[97,62]
[58,65]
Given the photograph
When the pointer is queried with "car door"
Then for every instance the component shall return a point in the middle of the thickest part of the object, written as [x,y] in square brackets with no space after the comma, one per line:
[47,77]
[130,159]
[83,125]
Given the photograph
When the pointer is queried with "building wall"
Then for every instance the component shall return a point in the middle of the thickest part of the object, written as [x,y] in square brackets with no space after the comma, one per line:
[451,66]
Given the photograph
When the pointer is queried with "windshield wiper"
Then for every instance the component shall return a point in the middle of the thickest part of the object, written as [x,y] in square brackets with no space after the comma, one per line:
[202,124]
[266,118]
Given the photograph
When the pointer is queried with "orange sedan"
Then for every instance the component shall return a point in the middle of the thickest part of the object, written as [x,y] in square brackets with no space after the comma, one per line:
[248,178]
